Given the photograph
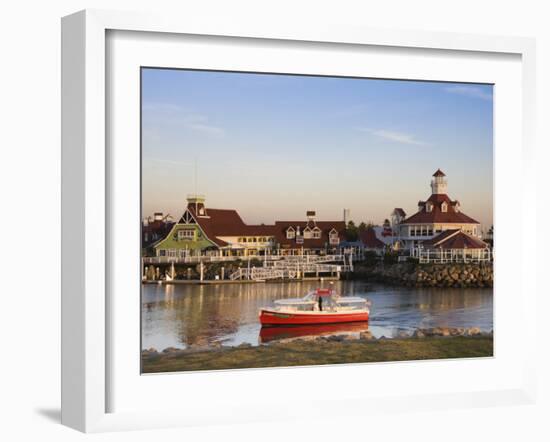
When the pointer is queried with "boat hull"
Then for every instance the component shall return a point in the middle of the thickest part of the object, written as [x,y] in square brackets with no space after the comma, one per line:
[274,318]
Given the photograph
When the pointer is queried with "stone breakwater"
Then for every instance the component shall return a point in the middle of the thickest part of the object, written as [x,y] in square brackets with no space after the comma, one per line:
[434,332]
[429,275]
[437,343]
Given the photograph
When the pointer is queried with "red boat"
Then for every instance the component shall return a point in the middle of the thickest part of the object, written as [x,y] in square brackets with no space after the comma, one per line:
[322,306]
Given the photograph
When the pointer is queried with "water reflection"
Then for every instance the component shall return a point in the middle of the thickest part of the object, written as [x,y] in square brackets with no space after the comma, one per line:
[184,315]
[270,334]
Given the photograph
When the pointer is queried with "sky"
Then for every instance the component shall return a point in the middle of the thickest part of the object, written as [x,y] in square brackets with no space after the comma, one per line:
[274,146]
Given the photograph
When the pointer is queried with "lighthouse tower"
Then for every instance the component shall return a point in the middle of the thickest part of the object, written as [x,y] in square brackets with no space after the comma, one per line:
[439,183]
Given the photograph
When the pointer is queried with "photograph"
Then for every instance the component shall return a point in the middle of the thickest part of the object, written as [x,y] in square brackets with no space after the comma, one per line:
[303,220]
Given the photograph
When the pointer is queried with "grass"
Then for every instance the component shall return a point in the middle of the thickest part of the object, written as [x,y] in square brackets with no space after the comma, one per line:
[321,352]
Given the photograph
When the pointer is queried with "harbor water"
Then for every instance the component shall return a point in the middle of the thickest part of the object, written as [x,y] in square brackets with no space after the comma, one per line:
[183,315]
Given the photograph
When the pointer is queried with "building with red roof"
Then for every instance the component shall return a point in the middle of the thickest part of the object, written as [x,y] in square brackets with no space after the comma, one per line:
[155,228]
[436,215]
[454,239]
[223,231]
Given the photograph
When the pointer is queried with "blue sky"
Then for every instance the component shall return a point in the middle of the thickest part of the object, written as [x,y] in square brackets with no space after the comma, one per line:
[274,146]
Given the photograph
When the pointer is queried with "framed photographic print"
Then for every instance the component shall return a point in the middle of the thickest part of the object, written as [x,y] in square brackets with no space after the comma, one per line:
[251,213]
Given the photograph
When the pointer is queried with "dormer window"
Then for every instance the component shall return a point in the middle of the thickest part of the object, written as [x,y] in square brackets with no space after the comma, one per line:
[443,206]
[290,233]
[316,233]
[429,206]
[308,234]
[333,237]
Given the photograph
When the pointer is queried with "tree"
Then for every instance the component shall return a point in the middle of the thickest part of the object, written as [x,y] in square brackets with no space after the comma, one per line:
[362,226]
[352,233]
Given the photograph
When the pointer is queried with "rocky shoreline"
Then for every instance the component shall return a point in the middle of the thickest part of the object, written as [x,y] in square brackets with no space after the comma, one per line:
[431,332]
[409,274]
[426,343]
[412,274]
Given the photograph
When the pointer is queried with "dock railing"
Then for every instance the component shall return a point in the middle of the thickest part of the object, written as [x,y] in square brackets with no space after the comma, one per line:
[444,256]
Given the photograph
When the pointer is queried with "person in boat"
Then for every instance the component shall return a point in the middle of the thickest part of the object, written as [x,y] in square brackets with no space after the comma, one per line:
[320,302]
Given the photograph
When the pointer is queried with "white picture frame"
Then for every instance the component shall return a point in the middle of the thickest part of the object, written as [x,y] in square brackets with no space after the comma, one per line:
[86,314]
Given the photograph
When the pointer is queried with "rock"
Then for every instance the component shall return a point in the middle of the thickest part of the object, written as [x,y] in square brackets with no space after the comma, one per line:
[244,345]
[351,337]
[367,335]
[151,353]
[170,350]
[473,331]
[402,334]
[456,331]
[418,334]
[337,338]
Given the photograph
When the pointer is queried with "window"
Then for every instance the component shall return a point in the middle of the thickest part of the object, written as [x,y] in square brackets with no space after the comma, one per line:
[308,233]
[333,237]
[290,233]
[317,233]
[300,240]
[429,207]
[443,206]
[162,252]
[186,234]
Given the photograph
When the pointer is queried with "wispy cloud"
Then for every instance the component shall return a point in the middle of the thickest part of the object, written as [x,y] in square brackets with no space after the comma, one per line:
[391,135]
[200,123]
[170,162]
[174,114]
[470,91]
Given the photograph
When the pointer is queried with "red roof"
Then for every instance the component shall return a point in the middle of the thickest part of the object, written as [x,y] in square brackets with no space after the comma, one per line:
[455,239]
[281,228]
[436,215]
[369,239]
[438,173]
[227,222]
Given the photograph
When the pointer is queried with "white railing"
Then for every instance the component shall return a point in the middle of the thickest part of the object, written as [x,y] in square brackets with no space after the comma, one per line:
[220,258]
[442,256]
[305,259]
[289,272]
[197,259]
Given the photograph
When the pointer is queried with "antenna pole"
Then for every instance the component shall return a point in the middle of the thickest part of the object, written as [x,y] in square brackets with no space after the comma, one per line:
[196,202]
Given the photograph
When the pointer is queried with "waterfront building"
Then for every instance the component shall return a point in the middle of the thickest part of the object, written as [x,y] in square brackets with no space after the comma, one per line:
[155,228]
[368,240]
[310,235]
[436,215]
[222,232]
